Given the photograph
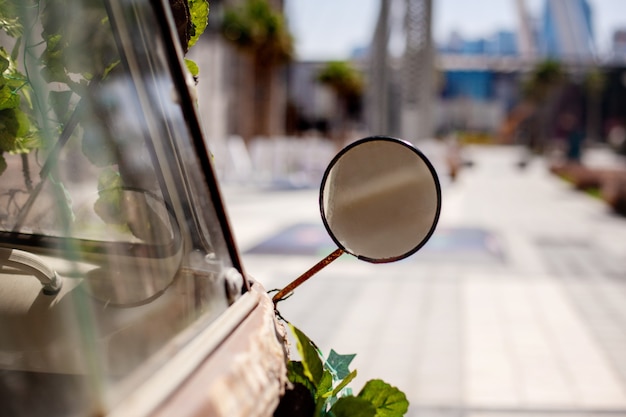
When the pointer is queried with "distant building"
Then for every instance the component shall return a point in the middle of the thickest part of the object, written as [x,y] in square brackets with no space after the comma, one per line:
[472,84]
[474,47]
[564,32]
[618,47]
[490,93]
[501,43]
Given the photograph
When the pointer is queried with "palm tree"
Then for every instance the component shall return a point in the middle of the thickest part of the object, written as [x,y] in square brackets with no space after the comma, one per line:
[542,92]
[261,35]
[347,84]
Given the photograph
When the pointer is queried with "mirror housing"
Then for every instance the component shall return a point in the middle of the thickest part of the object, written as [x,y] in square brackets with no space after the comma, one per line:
[380,199]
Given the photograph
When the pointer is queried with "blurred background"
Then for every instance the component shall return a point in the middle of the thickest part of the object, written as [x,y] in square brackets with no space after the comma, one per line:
[517,305]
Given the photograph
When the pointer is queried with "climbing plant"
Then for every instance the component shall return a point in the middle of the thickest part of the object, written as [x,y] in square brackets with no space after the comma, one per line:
[320,387]
[53,57]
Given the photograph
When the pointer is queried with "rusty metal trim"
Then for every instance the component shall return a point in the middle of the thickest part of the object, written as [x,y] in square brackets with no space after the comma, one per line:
[146,399]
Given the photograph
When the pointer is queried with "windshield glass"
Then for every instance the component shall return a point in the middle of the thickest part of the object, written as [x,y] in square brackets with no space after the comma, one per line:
[107,199]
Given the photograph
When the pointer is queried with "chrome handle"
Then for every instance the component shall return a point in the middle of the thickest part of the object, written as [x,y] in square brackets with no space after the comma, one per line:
[32,264]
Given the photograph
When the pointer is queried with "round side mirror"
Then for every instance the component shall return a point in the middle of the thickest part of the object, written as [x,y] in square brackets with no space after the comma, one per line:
[380,200]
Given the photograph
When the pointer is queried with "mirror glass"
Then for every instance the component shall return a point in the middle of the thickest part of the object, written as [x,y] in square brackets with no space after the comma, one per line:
[380,199]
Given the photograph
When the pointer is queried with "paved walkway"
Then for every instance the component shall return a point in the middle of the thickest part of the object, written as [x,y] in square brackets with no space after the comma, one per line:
[528,318]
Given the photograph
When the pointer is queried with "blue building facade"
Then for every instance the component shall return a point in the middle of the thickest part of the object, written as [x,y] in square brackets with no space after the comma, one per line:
[472,84]
[564,31]
[501,43]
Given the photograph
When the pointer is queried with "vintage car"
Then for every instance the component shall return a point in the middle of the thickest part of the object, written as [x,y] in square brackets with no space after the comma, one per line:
[122,292]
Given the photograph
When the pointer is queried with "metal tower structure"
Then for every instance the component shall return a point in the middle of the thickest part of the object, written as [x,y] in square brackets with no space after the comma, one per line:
[378,91]
[526,38]
[418,71]
[414,93]
[567,31]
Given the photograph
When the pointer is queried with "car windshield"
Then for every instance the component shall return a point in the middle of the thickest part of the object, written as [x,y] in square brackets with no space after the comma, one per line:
[113,240]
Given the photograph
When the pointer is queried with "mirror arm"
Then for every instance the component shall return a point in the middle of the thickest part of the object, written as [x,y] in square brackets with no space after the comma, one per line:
[280,295]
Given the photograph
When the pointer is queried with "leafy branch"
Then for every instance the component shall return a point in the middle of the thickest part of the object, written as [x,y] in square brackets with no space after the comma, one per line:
[17,133]
[74,51]
[327,382]
[198,18]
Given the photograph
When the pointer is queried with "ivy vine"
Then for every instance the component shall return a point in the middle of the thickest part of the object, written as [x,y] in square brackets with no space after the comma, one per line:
[324,382]
[73,50]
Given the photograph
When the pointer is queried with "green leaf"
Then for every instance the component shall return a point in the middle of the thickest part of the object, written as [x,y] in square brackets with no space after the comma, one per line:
[325,387]
[313,367]
[54,71]
[23,124]
[60,103]
[52,57]
[4,62]
[108,179]
[192,67]
[14,131]
[339,363]
[353,407]
[15,82]
[343,383]
[16,49]
[8,98]
[199,11]
[9,127]
[296,375]
[388,401]
[324,390]
[27,136]
[110,68]
[8,20]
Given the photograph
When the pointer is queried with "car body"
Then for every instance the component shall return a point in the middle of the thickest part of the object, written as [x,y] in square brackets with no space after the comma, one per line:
[121,288]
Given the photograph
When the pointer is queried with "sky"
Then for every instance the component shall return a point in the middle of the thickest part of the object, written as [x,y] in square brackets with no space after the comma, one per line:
[331,29]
